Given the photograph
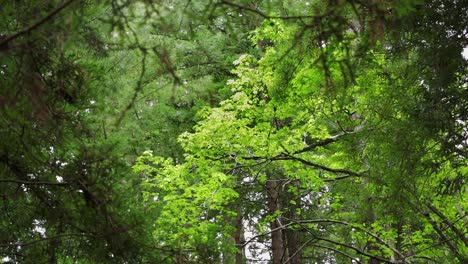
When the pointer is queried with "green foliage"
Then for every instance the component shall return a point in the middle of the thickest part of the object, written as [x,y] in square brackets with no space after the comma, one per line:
[281,107]
[329,131]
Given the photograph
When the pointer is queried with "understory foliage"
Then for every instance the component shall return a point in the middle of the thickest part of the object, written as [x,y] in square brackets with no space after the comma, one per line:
[233,132]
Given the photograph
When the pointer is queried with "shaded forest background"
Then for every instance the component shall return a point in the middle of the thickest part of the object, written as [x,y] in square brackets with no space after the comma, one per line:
[233,131]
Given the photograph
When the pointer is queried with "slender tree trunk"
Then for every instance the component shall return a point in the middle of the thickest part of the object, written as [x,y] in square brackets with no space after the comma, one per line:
[370,219]
[277,248]
[239,236]
[54,243]
[293,237]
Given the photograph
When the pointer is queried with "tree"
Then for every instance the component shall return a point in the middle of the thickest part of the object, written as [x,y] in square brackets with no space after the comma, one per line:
[67,187]
[329,154]
[340,137]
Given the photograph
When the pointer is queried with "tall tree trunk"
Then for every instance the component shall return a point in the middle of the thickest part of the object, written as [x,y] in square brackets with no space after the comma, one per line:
[53,245]
[239,236]
[293,237]
[277,246]
[370,219]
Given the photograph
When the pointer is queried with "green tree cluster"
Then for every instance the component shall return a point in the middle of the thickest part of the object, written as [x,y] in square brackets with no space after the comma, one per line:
[233,131]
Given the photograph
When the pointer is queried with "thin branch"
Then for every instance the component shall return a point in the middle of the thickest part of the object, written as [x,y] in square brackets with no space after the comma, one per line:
[248,8]
[286,156]
[444,238]
[448,223]
[5,41]
[165,59]
[260,13]
[380,240]
[34,182]
[42,240]
[357,250]
[414,255]
[299,250]
[318,144]
[265,234]
[338,178]
[338,251]
[137,89]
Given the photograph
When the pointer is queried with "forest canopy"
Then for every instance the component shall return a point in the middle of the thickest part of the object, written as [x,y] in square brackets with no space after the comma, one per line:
[243,131]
